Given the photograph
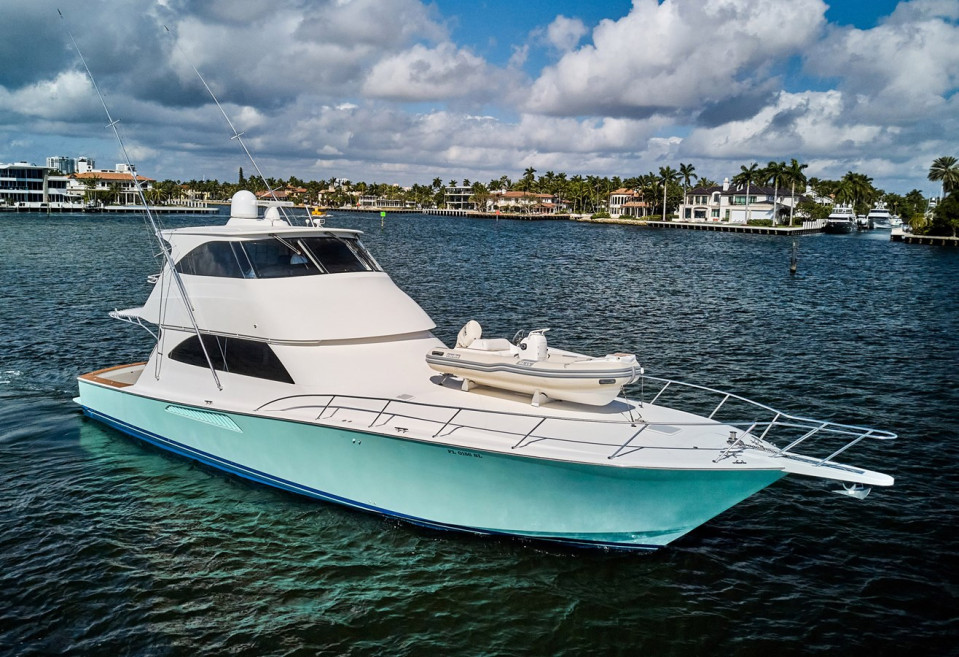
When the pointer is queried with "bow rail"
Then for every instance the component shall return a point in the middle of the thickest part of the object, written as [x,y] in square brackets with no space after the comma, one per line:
[755,425]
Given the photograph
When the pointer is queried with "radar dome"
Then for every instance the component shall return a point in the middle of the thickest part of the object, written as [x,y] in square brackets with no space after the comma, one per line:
[243,205]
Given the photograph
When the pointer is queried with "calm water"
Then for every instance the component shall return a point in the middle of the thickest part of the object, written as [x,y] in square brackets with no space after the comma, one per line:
[108,547]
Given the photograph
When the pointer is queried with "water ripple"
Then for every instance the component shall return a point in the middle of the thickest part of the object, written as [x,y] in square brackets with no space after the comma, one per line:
[107,546]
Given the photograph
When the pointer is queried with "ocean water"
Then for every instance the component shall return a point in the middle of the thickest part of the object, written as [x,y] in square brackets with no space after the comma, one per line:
[110,547]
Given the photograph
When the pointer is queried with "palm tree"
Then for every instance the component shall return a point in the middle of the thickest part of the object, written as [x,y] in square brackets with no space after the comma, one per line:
[528,177]
[945,170]
[687,172]
[774,173]
[667,175]
[844,192]
[116,193]
[861,192]
[480,196]
[91,185]
[745,178]
[795,176]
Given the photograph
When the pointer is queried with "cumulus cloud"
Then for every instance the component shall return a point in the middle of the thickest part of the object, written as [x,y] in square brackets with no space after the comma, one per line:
[422,73]
[380,89]
[60,98]
[565,33]
[676,56]
[901,70]
[812,123]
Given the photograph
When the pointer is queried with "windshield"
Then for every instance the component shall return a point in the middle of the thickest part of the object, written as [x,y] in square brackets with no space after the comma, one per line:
[278,257]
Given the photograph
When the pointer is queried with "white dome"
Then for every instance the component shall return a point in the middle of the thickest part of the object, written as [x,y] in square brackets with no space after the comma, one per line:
[243,205]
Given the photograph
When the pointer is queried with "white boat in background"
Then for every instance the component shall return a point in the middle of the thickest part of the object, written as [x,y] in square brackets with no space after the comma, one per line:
[284,354]
[880,217]
[842,219]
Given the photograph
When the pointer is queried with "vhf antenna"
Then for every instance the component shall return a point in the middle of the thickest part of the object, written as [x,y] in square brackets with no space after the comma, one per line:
[238,136]
[146,207]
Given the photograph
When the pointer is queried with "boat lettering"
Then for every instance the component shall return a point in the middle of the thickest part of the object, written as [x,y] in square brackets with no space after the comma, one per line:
[460,452]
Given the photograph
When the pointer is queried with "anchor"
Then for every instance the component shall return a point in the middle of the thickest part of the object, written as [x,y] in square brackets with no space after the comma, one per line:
[854,490]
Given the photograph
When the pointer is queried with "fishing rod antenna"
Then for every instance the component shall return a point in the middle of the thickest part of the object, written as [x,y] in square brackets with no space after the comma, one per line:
[164,246]
[237,135]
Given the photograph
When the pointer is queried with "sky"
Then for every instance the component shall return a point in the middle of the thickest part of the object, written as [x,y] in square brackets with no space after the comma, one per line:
[405,91]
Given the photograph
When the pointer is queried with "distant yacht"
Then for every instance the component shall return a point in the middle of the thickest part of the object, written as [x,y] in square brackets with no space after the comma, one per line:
[880,217]
[842,219]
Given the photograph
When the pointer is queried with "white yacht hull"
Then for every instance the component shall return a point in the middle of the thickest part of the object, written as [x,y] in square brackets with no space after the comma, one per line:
[434,483]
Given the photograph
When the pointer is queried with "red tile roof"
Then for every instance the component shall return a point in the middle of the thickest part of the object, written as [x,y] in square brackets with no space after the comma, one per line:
[107,176]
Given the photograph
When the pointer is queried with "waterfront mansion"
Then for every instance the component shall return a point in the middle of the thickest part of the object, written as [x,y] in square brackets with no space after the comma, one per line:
[31,187]
[728,204]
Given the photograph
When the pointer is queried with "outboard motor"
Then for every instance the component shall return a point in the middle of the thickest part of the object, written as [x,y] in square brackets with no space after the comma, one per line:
[534,345]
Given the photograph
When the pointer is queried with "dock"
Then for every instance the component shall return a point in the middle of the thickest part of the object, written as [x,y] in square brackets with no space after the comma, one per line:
[808,228]
[108,209]
[494,215]
[899,235]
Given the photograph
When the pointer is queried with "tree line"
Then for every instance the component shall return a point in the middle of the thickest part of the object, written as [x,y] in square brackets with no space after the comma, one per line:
[662,190]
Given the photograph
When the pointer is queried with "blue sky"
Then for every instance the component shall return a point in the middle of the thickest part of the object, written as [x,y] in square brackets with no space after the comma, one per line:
[404,91]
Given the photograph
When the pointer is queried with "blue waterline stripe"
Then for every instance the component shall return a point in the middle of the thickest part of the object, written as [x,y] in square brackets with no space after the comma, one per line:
[283,484]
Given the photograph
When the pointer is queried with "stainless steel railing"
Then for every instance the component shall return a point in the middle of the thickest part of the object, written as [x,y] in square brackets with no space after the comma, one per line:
[765,429]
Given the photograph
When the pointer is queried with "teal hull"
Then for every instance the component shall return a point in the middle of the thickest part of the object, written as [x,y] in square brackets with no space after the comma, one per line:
[432,484]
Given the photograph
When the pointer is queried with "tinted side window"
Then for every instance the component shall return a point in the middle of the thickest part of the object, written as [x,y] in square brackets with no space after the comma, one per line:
[211,259]
[245,357]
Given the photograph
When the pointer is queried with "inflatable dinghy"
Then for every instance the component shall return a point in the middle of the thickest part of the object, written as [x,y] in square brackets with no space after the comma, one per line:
[534,368]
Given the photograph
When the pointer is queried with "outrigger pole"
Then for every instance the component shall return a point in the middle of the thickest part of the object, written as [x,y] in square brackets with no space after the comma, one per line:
[236,135]
[146,208]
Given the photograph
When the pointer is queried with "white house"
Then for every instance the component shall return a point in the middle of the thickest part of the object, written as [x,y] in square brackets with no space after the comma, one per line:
[31,187]
[104,181]
[729,204]
[526,202]
[628,203]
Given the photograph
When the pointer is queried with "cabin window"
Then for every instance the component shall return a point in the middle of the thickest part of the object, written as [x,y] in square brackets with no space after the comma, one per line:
[278,257]
[212,259]
[335,255]
[234,355]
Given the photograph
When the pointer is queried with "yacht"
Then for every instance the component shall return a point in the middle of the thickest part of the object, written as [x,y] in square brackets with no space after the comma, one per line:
[880,217]
[284,354]
[842,219]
